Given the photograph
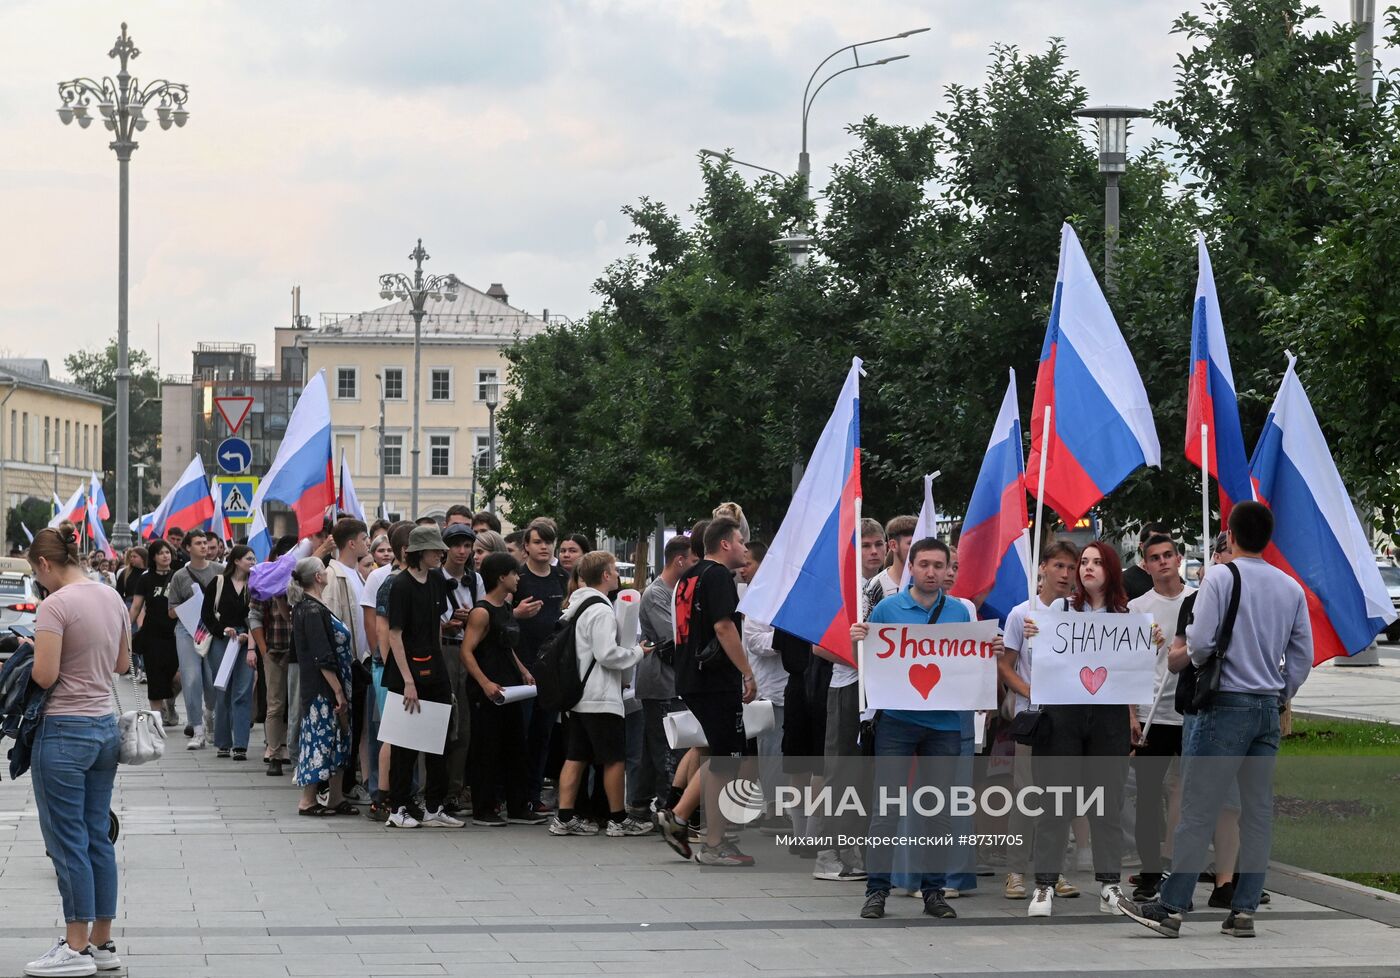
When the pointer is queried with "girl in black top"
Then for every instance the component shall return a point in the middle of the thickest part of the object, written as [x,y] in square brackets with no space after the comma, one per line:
[498,729]
[225,614]
[155,636]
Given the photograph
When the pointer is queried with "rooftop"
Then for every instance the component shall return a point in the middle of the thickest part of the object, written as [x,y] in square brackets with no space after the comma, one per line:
[473,313]
[33,372]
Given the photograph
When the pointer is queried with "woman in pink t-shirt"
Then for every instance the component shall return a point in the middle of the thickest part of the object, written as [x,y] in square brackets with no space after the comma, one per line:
[80,640]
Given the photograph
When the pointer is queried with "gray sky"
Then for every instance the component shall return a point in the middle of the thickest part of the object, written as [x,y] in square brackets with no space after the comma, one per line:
[324,137]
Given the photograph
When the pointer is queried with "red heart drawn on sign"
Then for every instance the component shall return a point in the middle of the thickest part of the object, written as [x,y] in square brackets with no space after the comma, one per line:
[924,678]
[1093,679]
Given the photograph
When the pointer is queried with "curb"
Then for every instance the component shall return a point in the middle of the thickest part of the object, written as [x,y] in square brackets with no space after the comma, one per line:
[1322,878]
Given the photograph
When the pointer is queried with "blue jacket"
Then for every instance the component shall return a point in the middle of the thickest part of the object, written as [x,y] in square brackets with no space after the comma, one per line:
[21,706]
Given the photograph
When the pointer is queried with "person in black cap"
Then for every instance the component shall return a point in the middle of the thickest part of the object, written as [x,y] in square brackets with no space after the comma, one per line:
[463,592]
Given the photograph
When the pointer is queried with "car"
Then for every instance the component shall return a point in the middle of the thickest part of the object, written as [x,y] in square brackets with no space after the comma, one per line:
[18,602]
[1391,575]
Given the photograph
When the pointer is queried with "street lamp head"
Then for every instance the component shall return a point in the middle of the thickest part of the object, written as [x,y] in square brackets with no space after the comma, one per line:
[1111,122]
[917,30]
[65,115]
[897,57]
[386,294]
[714,154]
[181,116]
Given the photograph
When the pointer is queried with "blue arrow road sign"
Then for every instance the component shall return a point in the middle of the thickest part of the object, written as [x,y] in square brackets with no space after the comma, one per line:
[234,455]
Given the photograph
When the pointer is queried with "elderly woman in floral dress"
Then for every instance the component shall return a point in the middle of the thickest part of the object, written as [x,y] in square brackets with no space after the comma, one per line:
[323,645]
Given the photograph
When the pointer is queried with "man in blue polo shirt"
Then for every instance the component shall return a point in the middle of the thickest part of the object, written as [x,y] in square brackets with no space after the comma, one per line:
[901,734]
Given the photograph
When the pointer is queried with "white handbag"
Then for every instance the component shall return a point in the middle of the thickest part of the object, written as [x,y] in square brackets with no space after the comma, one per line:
[142,731]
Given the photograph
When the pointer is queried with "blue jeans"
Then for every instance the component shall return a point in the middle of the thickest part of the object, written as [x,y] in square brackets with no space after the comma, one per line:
[196,678]
[74,765]
[1237,727]
[233,707]
[898,740]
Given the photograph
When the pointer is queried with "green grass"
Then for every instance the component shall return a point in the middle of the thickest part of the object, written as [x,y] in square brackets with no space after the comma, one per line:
[1342,782]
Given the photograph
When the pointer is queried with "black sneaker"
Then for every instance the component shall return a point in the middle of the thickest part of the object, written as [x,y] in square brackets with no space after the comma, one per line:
[189,730]
[675,832]
[527,817]
[1147,886]
[492,820]
[1238,924]
[1222,896]
[1153,916]
[874,907]
[223,752]
[240,753]
[935,905]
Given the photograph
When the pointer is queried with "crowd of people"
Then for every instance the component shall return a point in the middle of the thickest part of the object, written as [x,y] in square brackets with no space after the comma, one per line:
[458,613]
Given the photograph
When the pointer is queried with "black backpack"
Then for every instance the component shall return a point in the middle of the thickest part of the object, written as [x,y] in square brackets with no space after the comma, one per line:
[558,686]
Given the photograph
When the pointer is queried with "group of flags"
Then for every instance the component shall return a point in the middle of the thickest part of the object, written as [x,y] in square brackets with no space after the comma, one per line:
[1091,427]
[86,507]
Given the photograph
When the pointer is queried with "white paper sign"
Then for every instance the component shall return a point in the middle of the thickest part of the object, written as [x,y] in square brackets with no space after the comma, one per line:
[187,612]
[628,608]
[931,667]
[1079,658]
[232,650]
[424,731]
[513,694]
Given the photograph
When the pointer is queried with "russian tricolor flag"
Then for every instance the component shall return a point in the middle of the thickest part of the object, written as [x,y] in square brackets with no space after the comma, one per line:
[1211,401]
[187,504]
[98,497]
[218,522]
[303,475]
[348,502]
[95,531]
[1101,427]
[994,552]
[1318,540]
[807,583]
[74,510]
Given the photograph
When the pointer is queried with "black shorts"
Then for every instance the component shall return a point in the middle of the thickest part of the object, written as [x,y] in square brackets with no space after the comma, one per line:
[595,738]
[804,719]
[721,718]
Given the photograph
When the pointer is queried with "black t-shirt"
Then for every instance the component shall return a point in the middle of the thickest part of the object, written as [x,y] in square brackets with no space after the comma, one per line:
[550,590]
[416,610]
[495,653]
[151,587]
[705,595]
[796,652]
[1136,581]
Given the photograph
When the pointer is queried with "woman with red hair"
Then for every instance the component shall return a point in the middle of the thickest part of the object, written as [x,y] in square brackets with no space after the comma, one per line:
[1085,746]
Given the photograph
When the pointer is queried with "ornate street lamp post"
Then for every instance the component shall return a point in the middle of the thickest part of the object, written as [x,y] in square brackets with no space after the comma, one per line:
[122,103]
[417,291]
[1111,122]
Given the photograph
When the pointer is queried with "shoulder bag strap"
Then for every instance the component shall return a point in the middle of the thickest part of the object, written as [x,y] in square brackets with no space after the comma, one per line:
[1227,625]
[937,609]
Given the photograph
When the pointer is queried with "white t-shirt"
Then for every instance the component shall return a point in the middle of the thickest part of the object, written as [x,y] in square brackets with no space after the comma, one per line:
[373,583]
[843,675]
[1164,612]
[1014,638]
[767,665]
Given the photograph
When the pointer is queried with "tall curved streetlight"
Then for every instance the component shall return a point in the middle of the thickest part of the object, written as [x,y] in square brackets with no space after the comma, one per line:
[123,103]
[417,290]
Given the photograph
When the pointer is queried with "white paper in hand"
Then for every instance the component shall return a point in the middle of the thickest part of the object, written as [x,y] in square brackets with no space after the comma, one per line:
[424,731]
[514,694]
[187,612]
[628,608]
[232,650]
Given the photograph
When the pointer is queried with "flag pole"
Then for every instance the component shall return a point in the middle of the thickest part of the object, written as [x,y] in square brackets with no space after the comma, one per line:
[860,594]
[1205,500]
[1039,503]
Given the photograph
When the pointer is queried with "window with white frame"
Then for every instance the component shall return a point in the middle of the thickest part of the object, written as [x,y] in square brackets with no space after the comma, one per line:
[487,384]
[393,454]
[393,383]
[347,383]
[440,384]
[439,454]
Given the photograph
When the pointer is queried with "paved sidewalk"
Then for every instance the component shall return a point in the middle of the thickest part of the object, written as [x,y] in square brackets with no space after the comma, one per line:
[221,878]
[1354,692]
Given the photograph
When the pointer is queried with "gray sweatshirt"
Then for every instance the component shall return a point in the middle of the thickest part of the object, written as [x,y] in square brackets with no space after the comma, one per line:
[1271,649]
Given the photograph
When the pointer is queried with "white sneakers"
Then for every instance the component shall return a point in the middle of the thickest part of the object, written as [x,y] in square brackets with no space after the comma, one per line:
[1109,895]
[400,819]
[63,960]
[830,866]
[437,820]
[1041,902]
[198,741]
[629,826]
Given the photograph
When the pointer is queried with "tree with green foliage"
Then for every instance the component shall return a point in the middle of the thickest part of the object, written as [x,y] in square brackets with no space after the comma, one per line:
[97,371]
[33,513]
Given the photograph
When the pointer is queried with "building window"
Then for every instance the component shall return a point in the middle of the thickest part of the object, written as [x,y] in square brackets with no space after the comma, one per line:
[439,454]
[487,384]
[14,421]
[24,445]
[393,383]
[68,443]
[46,440]
[347,383]
[440,384]
[85,446]
[393,455]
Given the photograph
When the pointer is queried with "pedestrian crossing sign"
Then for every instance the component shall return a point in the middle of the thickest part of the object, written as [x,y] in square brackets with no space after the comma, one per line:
[236,492]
